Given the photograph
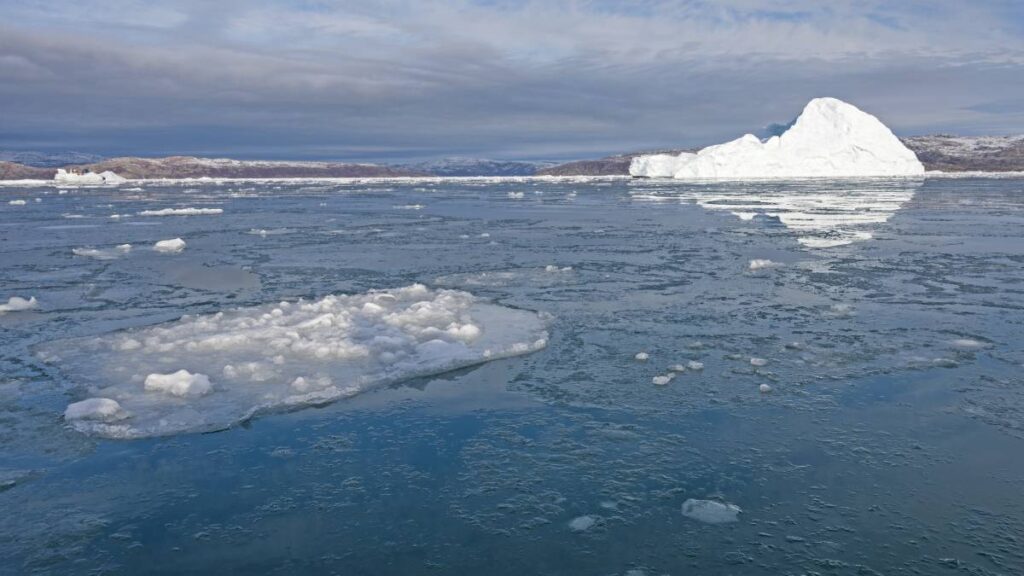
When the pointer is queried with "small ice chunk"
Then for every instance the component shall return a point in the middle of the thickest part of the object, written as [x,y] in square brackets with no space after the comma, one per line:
[967,344]
[18,202]
[761,263]
[17,304]
[582,523]
[116,252]
[173,246]
[553,268]
[711,511]
[182,212]
[103,409]
[641,356]
[181,383]
[758,362]
[764,388]
[664,379]
[694,365]
[678,368]
[516,195]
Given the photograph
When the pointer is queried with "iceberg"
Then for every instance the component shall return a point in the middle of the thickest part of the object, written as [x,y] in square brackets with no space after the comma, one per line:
[830,139]
[89,178]
[207,372]
[18,304]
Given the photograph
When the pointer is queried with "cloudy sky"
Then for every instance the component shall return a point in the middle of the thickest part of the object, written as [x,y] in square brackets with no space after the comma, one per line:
[395,80]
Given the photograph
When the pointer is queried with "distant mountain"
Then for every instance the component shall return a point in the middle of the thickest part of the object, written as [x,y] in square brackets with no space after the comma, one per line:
[191,167]
[479,167]
[14,171]
[47,159]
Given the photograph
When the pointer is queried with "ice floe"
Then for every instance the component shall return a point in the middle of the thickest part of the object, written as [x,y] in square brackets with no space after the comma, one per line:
[89,178]
[711,511]
[100,254]
[18,202]
[182,212]
[830,139]
[208,372]
[582,523]
[97,409]
[172,246]
[18,304]
[762,263]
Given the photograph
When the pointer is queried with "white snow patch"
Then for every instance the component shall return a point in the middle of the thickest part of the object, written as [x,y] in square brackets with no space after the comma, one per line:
[173,246]
[830,139]
[18,304]
[285,355]
[182,212]
[711,511]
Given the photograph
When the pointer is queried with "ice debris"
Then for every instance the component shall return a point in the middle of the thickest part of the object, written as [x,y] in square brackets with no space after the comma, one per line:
[711,511]
[99,254]
[172,246]
[182,212]
[18,304]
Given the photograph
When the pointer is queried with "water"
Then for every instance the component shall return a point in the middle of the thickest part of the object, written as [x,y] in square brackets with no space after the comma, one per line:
[890,322]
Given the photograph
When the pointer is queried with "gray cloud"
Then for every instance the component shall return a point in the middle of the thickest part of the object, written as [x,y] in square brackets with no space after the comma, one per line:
[398,79]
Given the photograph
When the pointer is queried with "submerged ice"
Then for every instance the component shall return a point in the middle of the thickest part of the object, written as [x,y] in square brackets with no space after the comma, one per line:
[208,372]
[829,139]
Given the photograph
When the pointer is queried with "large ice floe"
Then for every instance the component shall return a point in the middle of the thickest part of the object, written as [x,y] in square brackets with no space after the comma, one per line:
[830,139]
[89,178]
[203,373]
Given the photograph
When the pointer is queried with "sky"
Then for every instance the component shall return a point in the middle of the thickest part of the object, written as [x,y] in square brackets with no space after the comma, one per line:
[407,80]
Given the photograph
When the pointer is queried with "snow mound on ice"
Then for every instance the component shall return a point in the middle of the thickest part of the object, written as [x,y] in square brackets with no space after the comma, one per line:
[172,246]
[89,178]
[102,409]
[208,372]
[830,139]
[18,304]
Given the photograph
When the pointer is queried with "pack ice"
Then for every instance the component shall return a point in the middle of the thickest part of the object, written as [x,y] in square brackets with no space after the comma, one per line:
[89,178]
[203,373]
[830,139]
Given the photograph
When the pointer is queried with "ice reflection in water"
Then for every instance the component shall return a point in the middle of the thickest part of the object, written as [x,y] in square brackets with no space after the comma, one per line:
[822,218]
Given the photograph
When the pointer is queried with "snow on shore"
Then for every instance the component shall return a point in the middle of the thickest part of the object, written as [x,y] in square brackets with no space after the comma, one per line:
[830,139]
[208,372]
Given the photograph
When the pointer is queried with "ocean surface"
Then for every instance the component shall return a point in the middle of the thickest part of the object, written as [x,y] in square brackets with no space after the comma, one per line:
[847,361]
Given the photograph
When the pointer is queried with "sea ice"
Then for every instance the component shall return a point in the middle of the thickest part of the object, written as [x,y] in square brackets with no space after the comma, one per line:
[694,365]
[758,362]
[89,178]
[516,195]
[830,139]
[582,523]
[711,511]
[761,263]
[662,380]
[18,202]
[764,388]
[182,212]
[99,254]
[17,304]
[101,409]
[208,372]
[172,246]
[641,356]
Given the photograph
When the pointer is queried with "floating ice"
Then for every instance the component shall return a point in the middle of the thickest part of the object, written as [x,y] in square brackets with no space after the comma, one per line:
[758,362]
[553,268]
[17,304]
[89,178]
[830,139]
[582,523]
[182,212]
[110,254]
[101,409]
[641,356]
[410,207]
[711,511]
[208,372]
[967,344]
[694,365]
[764,388]
[18,202]
[761,263]
[662,380]
[679,368]
[172,246]
[181,384]
[516,195]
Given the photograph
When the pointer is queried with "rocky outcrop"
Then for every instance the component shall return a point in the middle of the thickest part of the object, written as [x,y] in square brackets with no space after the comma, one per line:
[191,167]
[12,171]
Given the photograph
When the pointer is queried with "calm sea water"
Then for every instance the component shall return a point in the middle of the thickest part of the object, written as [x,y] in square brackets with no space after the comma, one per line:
[889,326]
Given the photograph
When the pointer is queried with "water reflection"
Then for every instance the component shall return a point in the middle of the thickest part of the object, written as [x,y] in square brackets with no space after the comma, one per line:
[823,218]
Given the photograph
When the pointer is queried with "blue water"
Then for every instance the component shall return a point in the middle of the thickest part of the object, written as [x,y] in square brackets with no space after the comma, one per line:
[889,443]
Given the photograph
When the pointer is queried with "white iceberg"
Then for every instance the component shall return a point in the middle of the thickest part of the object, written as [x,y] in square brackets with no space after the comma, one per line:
[18,304]
[89,178]
[830,139]
[96,409]
[101,254]
[203,373]
[172,246]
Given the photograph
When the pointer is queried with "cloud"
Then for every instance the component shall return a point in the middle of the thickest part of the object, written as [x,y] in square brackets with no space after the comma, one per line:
[396,78]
